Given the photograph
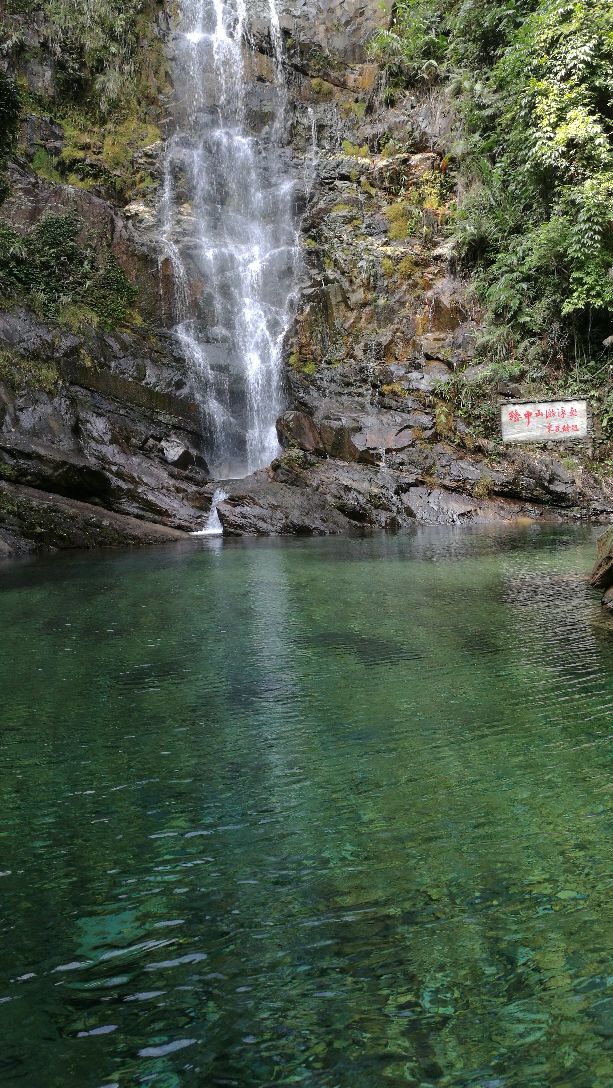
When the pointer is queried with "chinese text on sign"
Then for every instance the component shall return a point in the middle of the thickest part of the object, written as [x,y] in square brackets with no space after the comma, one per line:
[551,421]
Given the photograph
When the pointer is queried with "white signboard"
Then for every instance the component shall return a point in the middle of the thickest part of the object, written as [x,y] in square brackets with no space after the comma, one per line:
[550,421]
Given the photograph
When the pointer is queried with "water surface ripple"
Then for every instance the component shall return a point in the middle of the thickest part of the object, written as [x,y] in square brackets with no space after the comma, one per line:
[325,813]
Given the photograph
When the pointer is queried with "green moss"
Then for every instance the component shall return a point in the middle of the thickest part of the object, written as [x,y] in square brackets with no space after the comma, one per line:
[298,364]
[45,166]
[321,88]
[430,190]
[355,108]
[95,154]
[367,187]
[86,359]
[77,317]
[407,267]
[443,418]
[484,487]
[394,389]
[22,372]
[80,183]
[397,216]
[123,139]
[8,472]
[354,150]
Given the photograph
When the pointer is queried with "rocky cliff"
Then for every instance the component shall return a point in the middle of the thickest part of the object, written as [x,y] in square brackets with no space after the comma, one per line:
[100,434]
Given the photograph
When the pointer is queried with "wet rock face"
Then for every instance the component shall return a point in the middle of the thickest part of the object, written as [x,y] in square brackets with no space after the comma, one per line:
[116,426]
[340,28]
[321,496]
[352,493]
[31,519]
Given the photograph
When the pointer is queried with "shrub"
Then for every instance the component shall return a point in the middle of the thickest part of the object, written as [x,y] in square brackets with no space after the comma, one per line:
[56,268]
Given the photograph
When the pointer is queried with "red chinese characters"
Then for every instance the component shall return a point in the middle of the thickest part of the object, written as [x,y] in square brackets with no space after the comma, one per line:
[545,421]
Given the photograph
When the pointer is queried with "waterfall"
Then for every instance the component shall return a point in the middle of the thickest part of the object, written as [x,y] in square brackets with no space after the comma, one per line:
[213,526]
[228,229]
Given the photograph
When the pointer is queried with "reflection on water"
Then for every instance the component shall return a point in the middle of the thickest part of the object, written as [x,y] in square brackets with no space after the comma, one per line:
[326,813]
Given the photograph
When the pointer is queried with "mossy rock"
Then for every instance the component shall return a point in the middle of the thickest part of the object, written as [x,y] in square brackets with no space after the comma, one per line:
[22,372]
[301,366]
[322,89]
[402,220]
[355,150]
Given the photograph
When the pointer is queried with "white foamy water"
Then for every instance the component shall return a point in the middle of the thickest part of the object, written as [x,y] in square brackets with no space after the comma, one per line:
[229,233]
[213,526]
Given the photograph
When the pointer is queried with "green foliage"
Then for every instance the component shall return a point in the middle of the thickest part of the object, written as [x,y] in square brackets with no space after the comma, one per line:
[57,270]
[10,105]
[417,42]
[95,41]
[109,70]
[533,81]
[418,208]
[474,402]
[108,56]
[45,166]
[101,156]
[356,151]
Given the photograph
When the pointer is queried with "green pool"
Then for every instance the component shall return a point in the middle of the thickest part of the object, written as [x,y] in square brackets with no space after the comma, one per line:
[328,813]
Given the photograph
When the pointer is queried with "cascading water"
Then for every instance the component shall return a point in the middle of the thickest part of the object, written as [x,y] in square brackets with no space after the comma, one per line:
[213,526]
[229,230]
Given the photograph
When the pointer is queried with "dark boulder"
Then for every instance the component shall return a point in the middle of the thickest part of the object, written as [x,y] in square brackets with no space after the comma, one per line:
[602,574]
[298,429]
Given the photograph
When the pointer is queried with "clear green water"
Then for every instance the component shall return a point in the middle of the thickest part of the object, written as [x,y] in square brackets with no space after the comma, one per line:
[327,813]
